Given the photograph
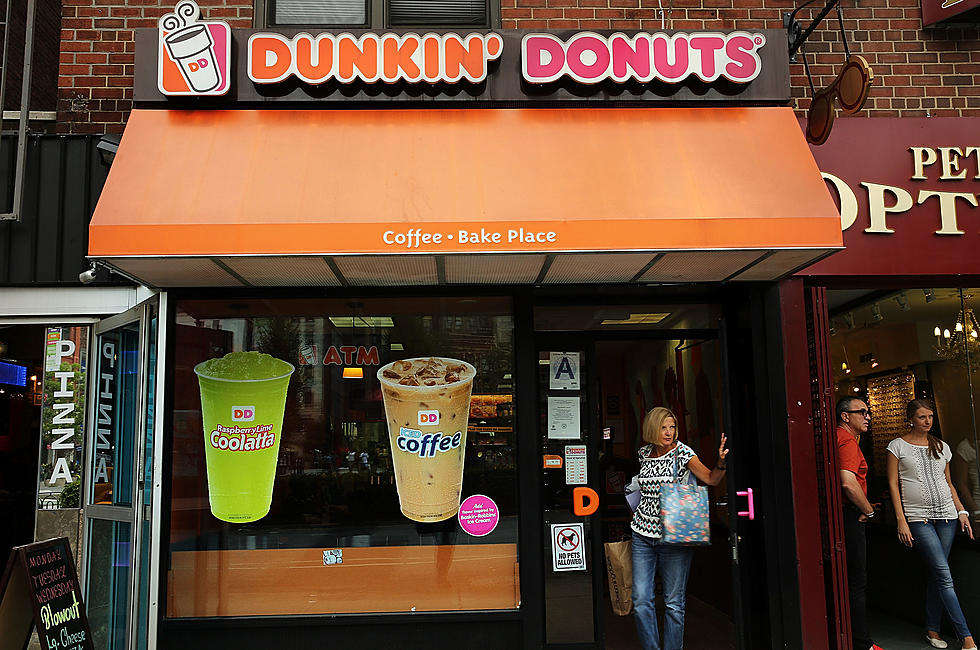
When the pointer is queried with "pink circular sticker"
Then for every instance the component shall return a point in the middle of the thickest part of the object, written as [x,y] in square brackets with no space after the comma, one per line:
[478,515]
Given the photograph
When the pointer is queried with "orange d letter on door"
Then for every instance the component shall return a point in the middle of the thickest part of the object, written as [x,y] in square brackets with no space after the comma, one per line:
[579,495]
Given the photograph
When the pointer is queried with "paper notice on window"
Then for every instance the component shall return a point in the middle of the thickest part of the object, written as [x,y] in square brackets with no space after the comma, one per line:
[576,466]
[563,418]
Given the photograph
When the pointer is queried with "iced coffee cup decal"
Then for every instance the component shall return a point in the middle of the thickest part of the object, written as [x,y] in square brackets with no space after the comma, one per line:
[427,407]
[243,399]
[194,54]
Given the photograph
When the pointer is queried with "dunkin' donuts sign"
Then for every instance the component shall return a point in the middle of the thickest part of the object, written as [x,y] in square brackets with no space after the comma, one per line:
[193,57]
[591,58]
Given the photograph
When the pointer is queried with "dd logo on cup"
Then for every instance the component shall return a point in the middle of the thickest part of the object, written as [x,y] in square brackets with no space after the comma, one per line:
[242,413]
[428,417]
[194,55]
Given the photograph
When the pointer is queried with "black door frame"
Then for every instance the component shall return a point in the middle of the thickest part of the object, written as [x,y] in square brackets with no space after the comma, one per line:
[586,342]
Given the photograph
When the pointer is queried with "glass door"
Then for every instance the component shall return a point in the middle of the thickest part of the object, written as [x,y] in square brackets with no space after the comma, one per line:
[119,479]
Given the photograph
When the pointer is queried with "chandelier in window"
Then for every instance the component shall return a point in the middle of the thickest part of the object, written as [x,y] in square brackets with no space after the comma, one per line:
[962,343]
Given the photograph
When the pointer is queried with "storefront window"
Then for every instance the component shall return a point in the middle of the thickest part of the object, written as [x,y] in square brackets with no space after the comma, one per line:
[329,478]
[889,347]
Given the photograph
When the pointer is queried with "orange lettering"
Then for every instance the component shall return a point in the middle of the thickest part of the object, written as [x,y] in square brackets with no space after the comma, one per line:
[270,58]
[431,44]
[398,58]
[469,57]
[310,67]
[363,56]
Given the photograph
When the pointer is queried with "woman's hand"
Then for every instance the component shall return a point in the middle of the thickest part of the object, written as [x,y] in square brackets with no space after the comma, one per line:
[965,524]
[722,452]
[904,534]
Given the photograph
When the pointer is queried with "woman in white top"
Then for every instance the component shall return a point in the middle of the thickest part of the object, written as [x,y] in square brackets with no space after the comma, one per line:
[928,511]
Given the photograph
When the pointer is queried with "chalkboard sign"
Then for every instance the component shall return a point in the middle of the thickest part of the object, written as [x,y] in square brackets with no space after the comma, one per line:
[40,587]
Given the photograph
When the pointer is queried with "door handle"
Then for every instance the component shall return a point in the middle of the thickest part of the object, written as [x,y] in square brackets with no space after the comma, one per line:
[750,497]
[579,506]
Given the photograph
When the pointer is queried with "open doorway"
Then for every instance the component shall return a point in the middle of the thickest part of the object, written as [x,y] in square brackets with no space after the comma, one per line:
[633,376]
[21,367]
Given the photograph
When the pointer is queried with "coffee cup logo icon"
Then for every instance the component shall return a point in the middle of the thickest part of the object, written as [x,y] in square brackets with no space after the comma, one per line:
[194,54]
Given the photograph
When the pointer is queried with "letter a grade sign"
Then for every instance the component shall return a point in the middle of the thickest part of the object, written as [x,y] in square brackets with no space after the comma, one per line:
[567,547]
[564,371]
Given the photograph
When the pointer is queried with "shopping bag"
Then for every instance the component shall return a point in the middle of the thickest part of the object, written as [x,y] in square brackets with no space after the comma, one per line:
[619,570]
[684,512]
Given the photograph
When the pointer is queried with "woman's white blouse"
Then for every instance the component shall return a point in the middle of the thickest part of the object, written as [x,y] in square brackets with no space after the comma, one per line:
[922,478]
[654,472]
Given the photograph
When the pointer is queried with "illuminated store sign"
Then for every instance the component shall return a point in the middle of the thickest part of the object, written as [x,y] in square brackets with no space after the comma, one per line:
[909,195]
[591,58]
[369,58]
[190,56]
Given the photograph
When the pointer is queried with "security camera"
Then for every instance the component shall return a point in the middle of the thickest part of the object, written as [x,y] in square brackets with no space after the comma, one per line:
[88,276]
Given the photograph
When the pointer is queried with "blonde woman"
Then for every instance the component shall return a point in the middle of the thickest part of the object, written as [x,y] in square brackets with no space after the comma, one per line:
[657,461]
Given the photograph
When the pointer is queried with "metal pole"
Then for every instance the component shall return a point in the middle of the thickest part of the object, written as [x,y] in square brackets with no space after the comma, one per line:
[969,380]
[25,107]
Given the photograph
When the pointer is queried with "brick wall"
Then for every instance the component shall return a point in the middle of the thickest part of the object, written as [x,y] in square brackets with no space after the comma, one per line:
[95,80]
[919,72]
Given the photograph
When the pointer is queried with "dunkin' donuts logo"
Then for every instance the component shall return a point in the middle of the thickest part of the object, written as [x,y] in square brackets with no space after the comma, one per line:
[426,445]
[194,55]
[428,417]
[242,413]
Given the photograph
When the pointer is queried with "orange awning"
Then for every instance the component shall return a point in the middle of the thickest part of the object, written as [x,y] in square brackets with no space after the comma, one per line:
[300,197]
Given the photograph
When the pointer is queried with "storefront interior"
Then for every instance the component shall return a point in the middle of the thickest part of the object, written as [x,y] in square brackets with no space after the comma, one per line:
[890,346]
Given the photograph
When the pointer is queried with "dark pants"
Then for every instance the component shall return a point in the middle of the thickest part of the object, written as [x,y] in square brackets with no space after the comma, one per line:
[857,576]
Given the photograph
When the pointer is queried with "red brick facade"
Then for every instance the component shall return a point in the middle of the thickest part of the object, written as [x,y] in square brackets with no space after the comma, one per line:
[919,72]
[95,80]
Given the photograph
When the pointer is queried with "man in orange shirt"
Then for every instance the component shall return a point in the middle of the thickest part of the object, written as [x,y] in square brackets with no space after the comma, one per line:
[853,418]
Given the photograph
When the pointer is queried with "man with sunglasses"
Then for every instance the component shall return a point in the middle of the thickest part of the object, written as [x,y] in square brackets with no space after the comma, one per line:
[853,418]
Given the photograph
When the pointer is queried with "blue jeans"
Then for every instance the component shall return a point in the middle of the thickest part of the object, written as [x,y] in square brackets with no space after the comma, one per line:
[932,540]
[674,564]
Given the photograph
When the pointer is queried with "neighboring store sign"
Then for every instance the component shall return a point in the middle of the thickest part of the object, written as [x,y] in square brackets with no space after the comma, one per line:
[908,195]
[189,56]
[564,371]
[934,11]
[104,429]
[567,547]
[590,58]
[62,410]
[40,588]
[194,56]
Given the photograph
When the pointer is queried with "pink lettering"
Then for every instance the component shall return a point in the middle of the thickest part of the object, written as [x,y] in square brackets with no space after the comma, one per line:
[744,64]
[707,47]
[636,55]
[544,58]
[666,48]
[588,58]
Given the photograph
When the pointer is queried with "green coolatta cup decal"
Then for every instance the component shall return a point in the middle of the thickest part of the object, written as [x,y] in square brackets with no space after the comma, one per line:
[427,406]
[243,396]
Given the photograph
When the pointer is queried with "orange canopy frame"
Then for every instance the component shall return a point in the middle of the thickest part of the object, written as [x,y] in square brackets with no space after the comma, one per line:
[229,183]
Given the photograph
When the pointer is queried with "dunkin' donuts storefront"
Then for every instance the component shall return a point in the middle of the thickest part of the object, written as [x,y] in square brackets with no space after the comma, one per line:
[474,261]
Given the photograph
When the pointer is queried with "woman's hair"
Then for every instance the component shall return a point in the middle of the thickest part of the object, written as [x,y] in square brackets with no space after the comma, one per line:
[653,422]
[935,444]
